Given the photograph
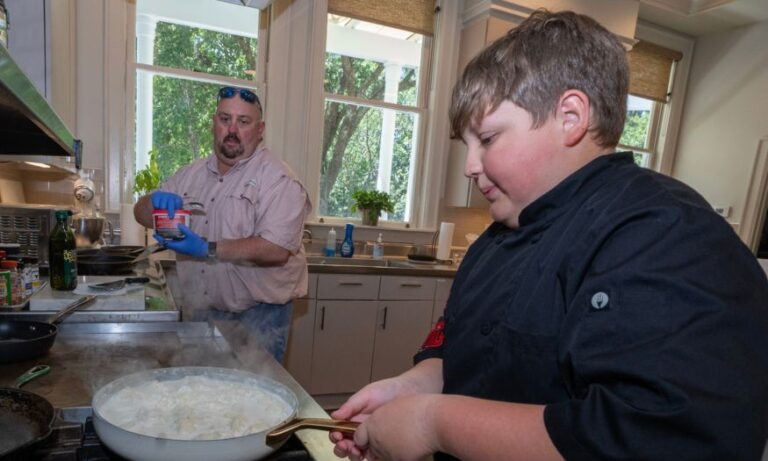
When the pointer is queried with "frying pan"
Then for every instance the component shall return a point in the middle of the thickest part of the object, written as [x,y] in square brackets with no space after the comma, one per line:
[101,263]
[141,447]
[25,418]
[24,339]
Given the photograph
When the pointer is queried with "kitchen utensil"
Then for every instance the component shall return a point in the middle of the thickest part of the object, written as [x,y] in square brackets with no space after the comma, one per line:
[278,436]
[25,339]
[148,251]
[89,230]
[105,264]
[252,446]
[117,284]
[25,417]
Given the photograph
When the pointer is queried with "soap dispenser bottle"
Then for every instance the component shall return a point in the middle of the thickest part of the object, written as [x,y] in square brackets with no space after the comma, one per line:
[378,247]
[330,244]
[348,245]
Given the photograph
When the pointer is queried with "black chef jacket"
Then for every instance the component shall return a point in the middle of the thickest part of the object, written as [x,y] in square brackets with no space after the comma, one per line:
[626,306]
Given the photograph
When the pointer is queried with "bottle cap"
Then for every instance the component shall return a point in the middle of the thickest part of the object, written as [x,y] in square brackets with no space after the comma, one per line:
[8,264]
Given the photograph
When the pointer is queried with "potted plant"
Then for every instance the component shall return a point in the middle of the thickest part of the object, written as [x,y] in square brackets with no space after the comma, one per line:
[147,179]
[371,203]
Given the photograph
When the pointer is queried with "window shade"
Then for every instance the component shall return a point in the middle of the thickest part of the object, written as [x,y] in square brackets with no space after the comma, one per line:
[650,70]
[411,15]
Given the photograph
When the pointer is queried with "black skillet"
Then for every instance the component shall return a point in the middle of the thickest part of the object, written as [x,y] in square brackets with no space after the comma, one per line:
[25,418]
[24,339]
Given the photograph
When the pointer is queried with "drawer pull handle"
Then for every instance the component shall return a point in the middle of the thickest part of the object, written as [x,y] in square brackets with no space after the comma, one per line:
[322,318]
[410,285]
[351,283]
[384,322]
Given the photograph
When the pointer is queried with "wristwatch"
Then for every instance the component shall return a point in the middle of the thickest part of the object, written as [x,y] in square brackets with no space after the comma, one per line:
[211,250]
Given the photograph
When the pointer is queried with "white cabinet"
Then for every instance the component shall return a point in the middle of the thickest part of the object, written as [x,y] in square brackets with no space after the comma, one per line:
[298,354]
[459,190]
[358,329]
[442,291]
[345,322]
[343,346]
[402,324]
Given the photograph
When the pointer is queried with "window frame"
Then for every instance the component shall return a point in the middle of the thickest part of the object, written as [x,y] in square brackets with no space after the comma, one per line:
[421,109]
[258,84]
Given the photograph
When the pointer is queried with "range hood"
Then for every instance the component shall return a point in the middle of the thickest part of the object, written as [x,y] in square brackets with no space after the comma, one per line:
[29,128]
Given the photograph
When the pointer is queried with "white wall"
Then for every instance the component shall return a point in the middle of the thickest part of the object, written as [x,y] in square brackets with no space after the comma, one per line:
[725,116]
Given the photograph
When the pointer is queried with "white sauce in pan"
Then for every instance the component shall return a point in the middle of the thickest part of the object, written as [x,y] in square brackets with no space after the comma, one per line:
[195,408]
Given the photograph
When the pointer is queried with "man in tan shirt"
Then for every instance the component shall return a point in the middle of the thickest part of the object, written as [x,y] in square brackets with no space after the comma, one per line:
[243,258]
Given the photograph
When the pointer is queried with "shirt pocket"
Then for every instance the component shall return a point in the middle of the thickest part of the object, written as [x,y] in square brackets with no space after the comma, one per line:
[240,212]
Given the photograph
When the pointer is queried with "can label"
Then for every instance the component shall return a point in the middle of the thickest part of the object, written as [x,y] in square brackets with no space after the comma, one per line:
[168,228]
[5,287]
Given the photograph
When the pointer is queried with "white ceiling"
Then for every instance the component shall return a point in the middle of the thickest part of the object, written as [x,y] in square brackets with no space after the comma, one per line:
[703,17]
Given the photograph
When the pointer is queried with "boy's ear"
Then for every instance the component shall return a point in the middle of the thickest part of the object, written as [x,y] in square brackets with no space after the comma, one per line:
[574,111]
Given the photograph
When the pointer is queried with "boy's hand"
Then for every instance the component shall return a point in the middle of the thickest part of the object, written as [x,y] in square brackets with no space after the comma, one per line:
[167,201]
[192,244]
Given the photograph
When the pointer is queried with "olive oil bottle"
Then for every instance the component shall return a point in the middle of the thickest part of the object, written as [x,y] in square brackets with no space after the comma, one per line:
[62,254]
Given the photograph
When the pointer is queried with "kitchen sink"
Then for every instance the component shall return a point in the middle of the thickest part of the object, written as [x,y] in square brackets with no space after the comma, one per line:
[335,261]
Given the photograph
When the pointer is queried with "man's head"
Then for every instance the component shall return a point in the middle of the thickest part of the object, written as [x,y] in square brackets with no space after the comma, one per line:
[536,62]
[237,125]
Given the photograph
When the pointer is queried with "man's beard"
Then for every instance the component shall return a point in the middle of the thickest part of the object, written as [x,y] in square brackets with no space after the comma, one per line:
[231,152]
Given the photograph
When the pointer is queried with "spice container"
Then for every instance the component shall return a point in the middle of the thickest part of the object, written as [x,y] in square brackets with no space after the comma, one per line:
[13,282]
[168,228]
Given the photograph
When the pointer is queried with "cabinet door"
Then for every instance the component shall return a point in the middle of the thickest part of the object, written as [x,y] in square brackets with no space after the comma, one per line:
[298,355]
[401,328]
[343,346]
[442,291]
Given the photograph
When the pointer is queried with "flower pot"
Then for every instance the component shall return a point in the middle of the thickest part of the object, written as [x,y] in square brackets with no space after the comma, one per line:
[369,217]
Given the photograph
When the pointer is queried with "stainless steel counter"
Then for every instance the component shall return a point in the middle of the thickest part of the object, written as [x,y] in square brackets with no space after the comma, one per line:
[86,356]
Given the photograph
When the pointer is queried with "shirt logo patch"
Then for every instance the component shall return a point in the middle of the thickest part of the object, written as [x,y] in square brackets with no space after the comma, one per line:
[599,301]
[435,337]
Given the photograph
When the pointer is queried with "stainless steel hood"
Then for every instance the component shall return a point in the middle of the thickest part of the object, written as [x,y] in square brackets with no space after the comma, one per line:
[28,124]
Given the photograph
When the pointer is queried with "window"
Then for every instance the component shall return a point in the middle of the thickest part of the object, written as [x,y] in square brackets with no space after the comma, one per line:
[374,114]
[185,51]
[651,75]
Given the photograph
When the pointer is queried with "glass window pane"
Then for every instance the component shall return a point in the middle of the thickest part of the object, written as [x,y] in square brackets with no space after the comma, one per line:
[181,121]
[370,61]
[206,51]
[365,148]
[638,122]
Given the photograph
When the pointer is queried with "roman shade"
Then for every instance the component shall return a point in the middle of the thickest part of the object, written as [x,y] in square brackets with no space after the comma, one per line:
[412,15]
[651,70]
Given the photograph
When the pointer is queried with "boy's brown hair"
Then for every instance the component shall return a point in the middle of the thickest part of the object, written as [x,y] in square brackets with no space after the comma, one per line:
[536,62]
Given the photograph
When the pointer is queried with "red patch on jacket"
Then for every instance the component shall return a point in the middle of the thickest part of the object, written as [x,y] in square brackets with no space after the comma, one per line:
[436,336]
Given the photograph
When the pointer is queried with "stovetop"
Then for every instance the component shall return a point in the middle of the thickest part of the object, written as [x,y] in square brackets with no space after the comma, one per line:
[74,438]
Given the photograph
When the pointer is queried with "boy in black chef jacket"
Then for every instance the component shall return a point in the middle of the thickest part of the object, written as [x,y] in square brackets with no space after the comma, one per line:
[607,313]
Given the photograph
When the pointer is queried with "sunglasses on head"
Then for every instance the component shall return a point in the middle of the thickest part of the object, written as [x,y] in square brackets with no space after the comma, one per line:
[245,94]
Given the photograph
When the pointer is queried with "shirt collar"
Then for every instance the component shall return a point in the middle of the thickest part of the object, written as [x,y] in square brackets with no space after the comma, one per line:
[579,184]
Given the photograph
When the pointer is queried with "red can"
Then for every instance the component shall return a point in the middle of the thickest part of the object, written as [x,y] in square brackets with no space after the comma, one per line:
[168,228]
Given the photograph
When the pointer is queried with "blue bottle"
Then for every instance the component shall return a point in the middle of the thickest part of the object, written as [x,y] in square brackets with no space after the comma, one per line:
[348,246]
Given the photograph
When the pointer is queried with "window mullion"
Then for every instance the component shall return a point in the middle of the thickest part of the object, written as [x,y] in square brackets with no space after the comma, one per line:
[196,76]
[340,98]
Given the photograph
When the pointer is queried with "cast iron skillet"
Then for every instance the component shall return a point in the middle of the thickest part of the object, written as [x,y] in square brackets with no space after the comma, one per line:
[25,418]
[24,339]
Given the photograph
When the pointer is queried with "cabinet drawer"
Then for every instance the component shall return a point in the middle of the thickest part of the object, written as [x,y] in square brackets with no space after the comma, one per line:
[311,287]
[413,288]
[347,286]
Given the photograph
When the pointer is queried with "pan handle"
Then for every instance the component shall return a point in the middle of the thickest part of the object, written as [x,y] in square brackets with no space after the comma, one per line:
[31,374]
[280,434]
[85,300]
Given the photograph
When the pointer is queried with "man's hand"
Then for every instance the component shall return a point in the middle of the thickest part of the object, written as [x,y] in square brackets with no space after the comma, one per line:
[192,244]
[167,201]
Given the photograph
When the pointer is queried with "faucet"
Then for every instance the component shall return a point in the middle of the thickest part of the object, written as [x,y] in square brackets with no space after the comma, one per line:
[307,232]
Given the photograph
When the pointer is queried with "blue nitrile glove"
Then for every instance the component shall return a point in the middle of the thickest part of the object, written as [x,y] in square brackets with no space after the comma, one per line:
[167,201]
[192,244]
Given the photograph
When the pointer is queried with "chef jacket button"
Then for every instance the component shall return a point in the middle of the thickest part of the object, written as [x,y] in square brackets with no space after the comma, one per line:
[206,221]
[486,329]
[213,199]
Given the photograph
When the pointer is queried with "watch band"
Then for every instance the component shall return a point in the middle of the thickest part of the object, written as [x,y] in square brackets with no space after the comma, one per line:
[211,250]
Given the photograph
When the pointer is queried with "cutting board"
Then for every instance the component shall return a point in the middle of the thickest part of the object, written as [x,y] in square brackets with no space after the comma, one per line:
[54,300]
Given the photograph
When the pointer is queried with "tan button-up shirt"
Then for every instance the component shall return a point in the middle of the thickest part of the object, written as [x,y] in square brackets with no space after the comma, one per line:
[259,196]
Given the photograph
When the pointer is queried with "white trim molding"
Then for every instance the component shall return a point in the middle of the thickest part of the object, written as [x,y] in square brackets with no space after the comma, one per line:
[756,201]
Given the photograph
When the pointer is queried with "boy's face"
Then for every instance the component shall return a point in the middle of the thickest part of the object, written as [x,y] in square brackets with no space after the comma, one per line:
[511,163]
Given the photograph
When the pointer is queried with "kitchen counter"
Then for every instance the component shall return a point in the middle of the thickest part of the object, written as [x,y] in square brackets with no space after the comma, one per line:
[388,266]
[87,356]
